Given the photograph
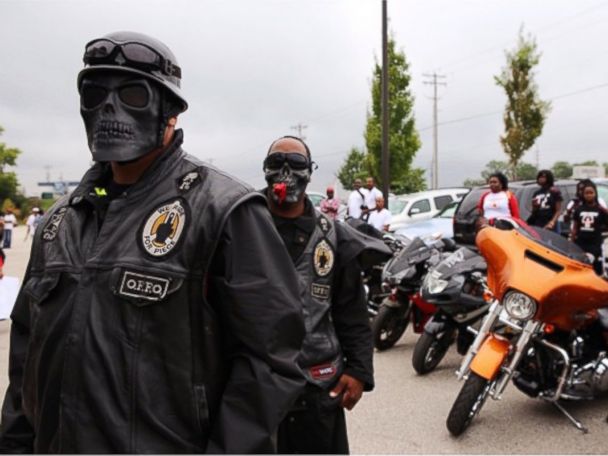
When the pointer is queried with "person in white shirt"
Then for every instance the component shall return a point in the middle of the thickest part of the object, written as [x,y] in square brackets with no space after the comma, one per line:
[356,200]
[372,194]
[10,221]
[379,218]
[31,222]
[498,202]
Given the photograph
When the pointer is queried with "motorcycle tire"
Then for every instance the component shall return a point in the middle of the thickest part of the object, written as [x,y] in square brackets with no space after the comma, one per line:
[467,405]
[430,350]
[388,326]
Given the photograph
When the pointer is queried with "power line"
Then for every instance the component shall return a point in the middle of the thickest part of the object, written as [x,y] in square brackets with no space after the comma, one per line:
[493,113]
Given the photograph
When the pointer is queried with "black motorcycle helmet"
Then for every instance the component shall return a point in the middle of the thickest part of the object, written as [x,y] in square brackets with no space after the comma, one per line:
[135,53]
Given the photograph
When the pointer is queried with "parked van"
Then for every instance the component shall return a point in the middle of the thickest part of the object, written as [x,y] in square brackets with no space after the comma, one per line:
[422,205]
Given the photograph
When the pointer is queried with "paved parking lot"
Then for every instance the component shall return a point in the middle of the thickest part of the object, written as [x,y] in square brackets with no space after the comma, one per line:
[406,413]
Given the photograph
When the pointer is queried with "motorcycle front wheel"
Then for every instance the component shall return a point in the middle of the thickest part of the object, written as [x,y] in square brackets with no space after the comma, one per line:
[430,350]
[471,398]
[388,326]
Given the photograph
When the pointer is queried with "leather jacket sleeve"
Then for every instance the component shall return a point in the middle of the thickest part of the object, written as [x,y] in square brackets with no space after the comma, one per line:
[254,288]
[17,435]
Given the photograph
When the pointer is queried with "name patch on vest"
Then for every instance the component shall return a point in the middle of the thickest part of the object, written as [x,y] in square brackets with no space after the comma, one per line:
[52,227]
[163,228]
[143,286]
[320,291]
[323,258]
[323,371]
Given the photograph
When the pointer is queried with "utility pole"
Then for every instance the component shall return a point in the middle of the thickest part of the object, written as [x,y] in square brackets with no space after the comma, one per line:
[385,151]
[300,127]
[434,82]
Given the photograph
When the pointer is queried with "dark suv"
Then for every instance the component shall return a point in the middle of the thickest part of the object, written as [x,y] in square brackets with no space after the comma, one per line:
[466,214]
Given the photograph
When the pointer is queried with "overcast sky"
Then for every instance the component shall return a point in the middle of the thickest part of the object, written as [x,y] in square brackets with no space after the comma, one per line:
[252,69]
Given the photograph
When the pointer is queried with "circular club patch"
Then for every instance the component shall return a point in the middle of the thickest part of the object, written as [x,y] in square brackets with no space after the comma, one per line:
[323,259]
[163,229]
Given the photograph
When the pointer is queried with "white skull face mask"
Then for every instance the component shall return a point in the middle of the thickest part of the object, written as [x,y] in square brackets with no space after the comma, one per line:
[287,175]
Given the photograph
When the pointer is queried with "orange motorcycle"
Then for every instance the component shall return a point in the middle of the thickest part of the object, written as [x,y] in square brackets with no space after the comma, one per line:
[543,330]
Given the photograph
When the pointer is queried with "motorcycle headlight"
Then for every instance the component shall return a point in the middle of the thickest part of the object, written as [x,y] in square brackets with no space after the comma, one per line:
[434,284]
[519,306]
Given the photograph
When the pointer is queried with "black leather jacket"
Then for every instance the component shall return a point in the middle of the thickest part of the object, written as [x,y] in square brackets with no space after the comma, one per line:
[171,327]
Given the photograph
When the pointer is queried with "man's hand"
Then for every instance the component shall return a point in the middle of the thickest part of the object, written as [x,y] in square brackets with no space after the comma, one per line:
[351,390]
[550,225]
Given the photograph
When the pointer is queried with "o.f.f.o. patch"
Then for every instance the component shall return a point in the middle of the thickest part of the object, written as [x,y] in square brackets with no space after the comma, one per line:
[163,229]
[324,258]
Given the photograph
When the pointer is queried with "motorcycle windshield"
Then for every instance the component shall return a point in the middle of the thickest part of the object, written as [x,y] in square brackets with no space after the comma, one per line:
[461,261]
[414,253]
[555,242]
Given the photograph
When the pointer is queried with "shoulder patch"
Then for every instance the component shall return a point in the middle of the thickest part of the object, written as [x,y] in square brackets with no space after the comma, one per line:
[323,258]
[324,224]
[186,182]
[51,228]
[164,228]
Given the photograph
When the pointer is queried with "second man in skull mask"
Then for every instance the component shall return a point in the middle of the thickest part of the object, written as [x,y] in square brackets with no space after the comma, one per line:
[336,357]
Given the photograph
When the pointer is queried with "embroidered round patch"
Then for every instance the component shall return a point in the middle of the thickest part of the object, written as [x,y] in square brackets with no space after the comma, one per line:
[163,229]
[323,258]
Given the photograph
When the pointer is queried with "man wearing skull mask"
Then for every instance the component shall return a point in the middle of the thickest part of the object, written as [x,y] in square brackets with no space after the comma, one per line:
[153,316]
[336,357]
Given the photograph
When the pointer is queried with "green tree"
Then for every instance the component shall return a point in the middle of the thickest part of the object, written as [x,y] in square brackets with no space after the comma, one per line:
[525,112]
[404,140]
[526,171]
[354,167]
[492,167]
[8,179]
[473,182]
[562,169]
[587,163]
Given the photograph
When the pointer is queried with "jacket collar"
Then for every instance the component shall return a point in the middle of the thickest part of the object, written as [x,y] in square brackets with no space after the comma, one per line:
[160,168]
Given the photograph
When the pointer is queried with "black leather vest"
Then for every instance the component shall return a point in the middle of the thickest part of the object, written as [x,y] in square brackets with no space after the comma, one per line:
[321,357]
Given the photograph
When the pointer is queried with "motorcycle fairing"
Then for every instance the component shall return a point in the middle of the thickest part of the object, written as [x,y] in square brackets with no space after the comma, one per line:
[563,286]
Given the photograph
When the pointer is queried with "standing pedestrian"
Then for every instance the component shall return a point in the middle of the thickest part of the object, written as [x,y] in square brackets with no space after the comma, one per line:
[357,206]
[379,217]
[546,202]
[331,204]
[31,222]
[10,222]
[159,312]
[498,202]
[589,220]
[372,194]
[578,200]
[336,357]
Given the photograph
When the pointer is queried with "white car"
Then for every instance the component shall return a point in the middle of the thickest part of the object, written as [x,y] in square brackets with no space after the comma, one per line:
[422,206]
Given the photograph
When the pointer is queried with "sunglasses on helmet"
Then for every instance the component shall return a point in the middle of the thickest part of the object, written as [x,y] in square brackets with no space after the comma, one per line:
[137,55]
[276,160]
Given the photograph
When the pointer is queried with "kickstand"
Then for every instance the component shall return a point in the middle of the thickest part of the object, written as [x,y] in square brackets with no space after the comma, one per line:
[573,420]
